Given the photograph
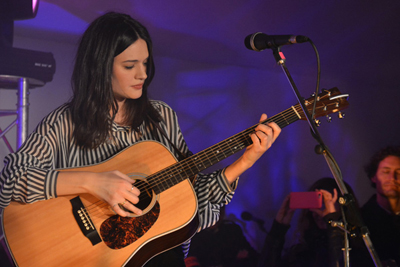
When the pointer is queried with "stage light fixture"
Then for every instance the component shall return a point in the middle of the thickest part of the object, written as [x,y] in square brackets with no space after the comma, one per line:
[19,9]
[11,10]
[25,9]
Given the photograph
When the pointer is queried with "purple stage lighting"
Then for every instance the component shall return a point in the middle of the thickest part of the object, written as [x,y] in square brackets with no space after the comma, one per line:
[35,5]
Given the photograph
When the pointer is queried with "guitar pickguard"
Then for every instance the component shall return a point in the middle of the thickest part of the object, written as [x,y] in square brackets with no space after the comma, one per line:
[118,232]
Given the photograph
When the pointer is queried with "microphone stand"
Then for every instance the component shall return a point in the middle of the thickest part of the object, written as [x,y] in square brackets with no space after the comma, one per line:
[321,148]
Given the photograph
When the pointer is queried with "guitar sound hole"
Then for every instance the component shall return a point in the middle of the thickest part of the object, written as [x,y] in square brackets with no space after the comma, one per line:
[146,198]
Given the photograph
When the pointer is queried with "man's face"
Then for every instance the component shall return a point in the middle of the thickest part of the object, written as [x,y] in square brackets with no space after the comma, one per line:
[387,177]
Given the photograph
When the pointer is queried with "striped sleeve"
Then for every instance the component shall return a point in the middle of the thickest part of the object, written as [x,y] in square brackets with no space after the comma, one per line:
[29,174]
[213,192]
[27,177]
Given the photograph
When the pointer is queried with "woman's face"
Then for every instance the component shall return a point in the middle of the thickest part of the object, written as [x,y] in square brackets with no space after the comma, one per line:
[129,71]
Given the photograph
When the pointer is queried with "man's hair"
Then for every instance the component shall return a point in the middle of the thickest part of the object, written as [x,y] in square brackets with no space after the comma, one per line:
[372,167]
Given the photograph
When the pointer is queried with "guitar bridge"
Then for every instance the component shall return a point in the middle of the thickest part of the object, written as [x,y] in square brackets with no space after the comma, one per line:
[84,222]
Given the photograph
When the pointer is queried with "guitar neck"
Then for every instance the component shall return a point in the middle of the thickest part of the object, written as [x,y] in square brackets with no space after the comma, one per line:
[196,163]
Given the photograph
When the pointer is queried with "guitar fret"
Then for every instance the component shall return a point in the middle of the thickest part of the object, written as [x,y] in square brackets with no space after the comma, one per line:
[170,179]
[199,164]
[284,117]
[217,154]
[220,155]
[208,156]
[232,149]
[202,164]
[183,172]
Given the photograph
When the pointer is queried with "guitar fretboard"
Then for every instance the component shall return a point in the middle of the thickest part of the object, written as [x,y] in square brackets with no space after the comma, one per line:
[198,162]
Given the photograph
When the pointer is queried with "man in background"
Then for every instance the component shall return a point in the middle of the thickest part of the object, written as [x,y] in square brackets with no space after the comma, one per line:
[381,213]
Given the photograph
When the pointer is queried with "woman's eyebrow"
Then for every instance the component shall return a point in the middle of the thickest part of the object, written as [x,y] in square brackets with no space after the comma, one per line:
[131,60]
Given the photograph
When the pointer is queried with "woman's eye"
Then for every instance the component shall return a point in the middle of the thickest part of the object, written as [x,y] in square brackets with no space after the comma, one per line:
[128,67]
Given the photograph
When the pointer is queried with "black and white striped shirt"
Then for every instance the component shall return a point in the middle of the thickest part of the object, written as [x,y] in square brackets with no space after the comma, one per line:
[30,174]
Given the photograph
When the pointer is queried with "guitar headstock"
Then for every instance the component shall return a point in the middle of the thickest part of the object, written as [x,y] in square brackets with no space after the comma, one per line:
[329,101]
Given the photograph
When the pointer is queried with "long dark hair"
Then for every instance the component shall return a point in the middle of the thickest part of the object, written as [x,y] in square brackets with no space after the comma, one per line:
[93,98]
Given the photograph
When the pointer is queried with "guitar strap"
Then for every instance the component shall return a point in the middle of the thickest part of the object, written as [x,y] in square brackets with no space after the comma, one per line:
[181,156]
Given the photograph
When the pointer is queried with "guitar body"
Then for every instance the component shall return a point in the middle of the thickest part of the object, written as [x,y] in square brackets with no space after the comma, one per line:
[46,233]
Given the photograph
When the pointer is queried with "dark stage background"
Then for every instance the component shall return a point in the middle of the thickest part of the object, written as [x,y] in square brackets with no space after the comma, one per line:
[219,88]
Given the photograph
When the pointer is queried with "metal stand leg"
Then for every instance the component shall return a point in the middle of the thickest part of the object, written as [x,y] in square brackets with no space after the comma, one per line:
[22,133]
[22,112]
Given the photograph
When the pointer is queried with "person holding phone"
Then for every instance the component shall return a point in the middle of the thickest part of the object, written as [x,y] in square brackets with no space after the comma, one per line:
[318,244]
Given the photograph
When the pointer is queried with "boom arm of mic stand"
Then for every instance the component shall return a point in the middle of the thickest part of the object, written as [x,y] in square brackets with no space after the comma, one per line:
[329,159]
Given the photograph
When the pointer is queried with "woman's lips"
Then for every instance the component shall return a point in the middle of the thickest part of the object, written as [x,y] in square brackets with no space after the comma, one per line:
[138,86]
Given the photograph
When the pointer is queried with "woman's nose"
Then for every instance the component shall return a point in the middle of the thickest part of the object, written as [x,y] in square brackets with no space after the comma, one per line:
[141,74]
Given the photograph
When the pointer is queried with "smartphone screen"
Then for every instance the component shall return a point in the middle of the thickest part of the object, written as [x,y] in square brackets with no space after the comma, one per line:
[305,200]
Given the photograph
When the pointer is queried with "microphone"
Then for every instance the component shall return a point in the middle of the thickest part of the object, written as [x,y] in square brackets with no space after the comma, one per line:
[260,41]
[247,216]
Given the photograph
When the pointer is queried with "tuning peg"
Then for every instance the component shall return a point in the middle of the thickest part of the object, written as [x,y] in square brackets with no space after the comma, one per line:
[328,93]
[341,115]
[313,95]
[328,118]
[317,122]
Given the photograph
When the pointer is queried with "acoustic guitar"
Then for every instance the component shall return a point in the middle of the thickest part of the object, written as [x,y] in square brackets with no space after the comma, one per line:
[81,230]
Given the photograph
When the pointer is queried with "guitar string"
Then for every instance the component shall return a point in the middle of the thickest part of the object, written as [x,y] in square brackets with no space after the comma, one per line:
[293,117]
[237,139]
